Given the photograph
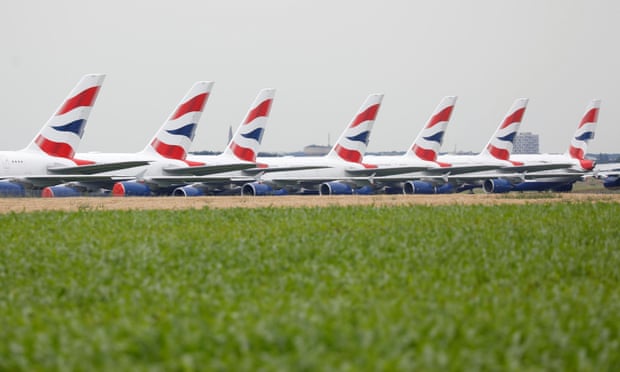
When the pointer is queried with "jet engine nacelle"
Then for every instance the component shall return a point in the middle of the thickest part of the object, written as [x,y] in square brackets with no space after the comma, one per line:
[497,186]
[446,188]
[612,182]
[11,189]
[188,191]
[59,192]
[128,188]
[419,187]
[335,188]
[365,190]
[256,189]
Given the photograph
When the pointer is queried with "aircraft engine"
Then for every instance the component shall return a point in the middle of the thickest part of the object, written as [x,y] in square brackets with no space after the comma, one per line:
[612,182]
[335,188]
[11,189]
[256,189]
[128,188]
[59,192]
[497,186]
[419,187]
[188,191]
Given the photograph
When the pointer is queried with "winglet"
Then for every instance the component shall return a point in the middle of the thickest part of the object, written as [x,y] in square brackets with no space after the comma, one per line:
[352,144]
[584,133]
[428,142]
[247,139]
[61,134]
[175,136]
[501,143]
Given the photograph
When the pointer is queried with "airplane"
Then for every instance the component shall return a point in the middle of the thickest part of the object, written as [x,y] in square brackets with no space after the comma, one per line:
[240,155]
[167,149]
[50,157]
[562,170]
[327,174]
[461,172]
[422,154]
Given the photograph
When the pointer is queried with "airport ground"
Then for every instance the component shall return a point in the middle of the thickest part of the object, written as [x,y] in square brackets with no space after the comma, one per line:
[590,191]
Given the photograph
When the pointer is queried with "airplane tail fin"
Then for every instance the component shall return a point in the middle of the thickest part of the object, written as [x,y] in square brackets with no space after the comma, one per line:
[501,143]
[245,144]
[352,144]
[61,134]
[175,136]
[428,142]
[584,133]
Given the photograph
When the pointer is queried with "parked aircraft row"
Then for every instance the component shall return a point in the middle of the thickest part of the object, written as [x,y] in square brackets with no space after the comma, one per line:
[50,165]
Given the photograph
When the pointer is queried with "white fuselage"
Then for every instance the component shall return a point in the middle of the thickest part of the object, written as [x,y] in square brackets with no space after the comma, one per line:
[27,163]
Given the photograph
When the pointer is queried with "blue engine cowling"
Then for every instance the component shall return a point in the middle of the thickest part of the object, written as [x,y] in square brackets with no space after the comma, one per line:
[497,186]
[11,189]
[59,192]
[612,182]
[128,188]
[446,188]
[335,188]
[419,187]
[188,191]
[364,190]
[256,189]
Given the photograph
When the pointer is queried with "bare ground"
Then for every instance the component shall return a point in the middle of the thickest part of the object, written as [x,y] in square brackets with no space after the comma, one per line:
[8,205]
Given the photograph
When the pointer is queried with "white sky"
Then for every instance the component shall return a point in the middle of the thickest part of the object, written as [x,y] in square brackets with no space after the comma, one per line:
[323,57]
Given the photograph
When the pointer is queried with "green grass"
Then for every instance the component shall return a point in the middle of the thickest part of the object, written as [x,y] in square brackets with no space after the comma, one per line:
[531,287]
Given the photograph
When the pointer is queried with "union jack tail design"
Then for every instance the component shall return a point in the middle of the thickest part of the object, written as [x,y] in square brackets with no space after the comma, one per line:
[352,144]
[584,133]
[501,143]
[245,143]
[61,134]
[175,136]
[428,143]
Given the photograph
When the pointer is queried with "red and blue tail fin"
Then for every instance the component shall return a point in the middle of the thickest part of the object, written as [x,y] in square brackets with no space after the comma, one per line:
[428,143]
[175,136]
[584,133]
[501,143]
[61,134]
[245,144]
[352,144]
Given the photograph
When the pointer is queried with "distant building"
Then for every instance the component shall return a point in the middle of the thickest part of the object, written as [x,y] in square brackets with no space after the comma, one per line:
[316,150]
[526,143]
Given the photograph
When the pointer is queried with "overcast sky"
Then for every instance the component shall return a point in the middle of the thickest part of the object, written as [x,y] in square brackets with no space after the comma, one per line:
[323,57]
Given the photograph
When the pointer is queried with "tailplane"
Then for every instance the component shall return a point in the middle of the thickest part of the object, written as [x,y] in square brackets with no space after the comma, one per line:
[352,144]
[245,144]
[175,136]
[61,134]
[584,133]
[428,143]
[501,143]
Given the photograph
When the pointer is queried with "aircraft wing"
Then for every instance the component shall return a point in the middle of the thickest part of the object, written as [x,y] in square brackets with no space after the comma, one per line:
[386,171]
[208,169]
[283,169]
[53,180]
[96,168]
[167,181]
[535,167]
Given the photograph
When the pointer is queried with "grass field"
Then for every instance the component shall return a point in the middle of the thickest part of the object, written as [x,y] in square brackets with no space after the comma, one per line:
[507,287]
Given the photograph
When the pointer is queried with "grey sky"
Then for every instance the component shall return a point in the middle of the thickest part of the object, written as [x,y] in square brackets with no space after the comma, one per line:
[323,57]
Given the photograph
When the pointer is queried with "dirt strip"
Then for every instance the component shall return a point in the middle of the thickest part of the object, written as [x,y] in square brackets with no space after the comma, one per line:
[8,205]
